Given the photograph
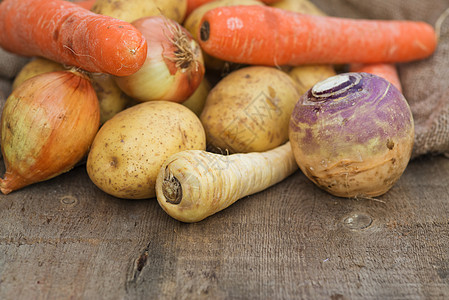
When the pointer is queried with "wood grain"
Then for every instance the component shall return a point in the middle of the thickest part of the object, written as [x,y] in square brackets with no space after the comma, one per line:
[66,239]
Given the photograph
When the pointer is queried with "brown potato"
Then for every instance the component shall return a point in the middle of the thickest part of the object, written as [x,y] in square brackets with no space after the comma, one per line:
[300,6]
[307,75]
[249,110]
[112,99]
[35,67]
[197,101]
[172,9]
[131,10]
[131,147]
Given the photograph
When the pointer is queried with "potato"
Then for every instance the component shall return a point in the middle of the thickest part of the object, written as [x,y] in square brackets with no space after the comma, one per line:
[131,10]
[35,67]
[172,9]
[131,147]
[249,110]
[307,75]
[300,6]
[111,98]
[198,99]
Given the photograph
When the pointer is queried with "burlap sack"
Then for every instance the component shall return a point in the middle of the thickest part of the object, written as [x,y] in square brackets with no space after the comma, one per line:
[10,64]
[5,86]
[2,101]
[425,83]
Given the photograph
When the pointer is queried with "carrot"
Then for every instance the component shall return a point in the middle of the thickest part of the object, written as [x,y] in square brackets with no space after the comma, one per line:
[87,4]
[194,184]
[69,34]
[386,71]
[271,36]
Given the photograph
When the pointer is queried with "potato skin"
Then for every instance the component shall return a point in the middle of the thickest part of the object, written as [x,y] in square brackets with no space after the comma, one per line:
[249,110]
[197,100]
[306,76]
[130,11]
[130,148]
[112,99]
[35,67]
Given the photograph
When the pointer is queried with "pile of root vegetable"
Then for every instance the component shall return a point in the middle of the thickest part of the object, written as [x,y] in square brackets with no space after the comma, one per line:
[201,103]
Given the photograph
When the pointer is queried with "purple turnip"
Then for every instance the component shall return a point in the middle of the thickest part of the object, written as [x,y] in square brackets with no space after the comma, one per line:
[352,134]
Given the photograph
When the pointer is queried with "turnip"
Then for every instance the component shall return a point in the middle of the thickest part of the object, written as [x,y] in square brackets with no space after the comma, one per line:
[352,134]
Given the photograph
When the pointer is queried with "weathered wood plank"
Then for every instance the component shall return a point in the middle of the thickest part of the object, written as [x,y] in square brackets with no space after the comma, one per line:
[66,239]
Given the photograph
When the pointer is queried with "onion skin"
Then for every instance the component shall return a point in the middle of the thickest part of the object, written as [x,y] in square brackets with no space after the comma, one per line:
[47,126]
[174,67]
[352,135]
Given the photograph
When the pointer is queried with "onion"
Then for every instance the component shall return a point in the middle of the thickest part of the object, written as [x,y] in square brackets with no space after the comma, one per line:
[352,134]
[174,66]
[111,98]
[47,126]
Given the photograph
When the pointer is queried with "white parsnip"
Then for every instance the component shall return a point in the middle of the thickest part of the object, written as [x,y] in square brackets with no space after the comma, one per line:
[194,184]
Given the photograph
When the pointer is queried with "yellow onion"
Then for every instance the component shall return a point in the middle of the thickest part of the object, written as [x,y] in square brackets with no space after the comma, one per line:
[111,98]
[47,126]
[174,66]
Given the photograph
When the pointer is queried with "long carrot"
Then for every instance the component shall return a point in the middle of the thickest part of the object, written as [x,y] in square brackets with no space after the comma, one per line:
[195,184]
[386,71]
[69,34]
[271,36]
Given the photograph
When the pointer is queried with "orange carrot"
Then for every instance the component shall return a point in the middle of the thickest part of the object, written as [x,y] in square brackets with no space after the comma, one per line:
[87,4]
[69,34]
[386,71]
[271,36]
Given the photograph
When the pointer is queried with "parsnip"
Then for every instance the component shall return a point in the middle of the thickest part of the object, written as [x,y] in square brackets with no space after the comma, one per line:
[194,184]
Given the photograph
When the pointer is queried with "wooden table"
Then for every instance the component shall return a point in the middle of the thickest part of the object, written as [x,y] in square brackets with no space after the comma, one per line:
[66,239]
